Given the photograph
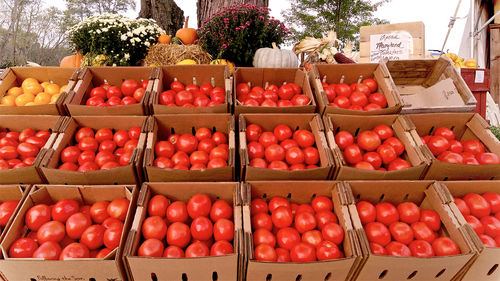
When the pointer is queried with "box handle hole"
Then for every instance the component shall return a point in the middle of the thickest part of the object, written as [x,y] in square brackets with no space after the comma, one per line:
[264,196]
[406,197]
[269,277]
[32,279]
[358,196]
[299,277]
[313,196]
[440,272]
[383,274]
[431,131]
[381,197]
[289,196]
[215,276]
[92,279]
[153,277]
[445,179]
[328,276]
[214,129]
[356,133]
[493,269]
[184,277]
[412,275]
[492,178]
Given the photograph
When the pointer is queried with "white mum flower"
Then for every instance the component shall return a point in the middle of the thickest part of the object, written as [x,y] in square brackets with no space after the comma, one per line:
[147,44]
[105,29]
[98,31]
[123,37]
[126,56]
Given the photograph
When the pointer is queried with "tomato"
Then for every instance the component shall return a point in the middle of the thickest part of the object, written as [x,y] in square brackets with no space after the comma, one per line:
[186,143]
[488,241]
[303,252]
[177,212]
[451,157]
[129,86]
[277,202]
[479,207]
[154,227]
[282,217]
[223,230]
[475,223]
[483,158]
[118,208]
[8,152]
[88,144]
[22,248]
[95,101]
[69,154]
[180,158]
[396,144]
[282,132]
[103,134]
[76,225]
[262,220]
[301,100]
[74,251]
[183,98]
[253,132]
[157,205]
[423,232]
[29,161]
[206,145]
[7,208]
[265,252]
[110,165]
[373,158]
[366,211]
[444,246]
[491,226]
[333,232]
[255,150]
[103,157]
[311,155]
[86,156]
[173,252]
[431,218]
[218,152]
[51,231]
[48,251]
[399,164]
[286,92]
[151,248]
[305,221]
[88,166]
[445,133]
[267,139]
[401,232]
[358,99]
[377,101]
[36,216]
[199,205]
[456,146]
[178,234]
[302,208]
[221,248]
[112,223]
[8,142]
[304,138]
[98,92]
[330,93]
[112,236]
[93,236]
[378,233]
[221,210]
[377,249]
[282,255]
[371,84]
[275,152]
[258,163]
[264,236]
[344,139]
[83,133]
[343,89]
[108,146]
[63,209]
[397,249]
[421,249]
[120,138]
[409,212]
[138,94]
[287,238]
[386,213]
[134,133]
[258,205]
[473,146]
[312,237]
[176,86]
[492,198]
[352,154]
[201,228]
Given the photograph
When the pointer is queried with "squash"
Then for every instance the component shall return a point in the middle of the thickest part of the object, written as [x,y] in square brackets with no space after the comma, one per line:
[275,58]
[72,61]
[186,34]
[229,64]
[164,39]
[176,40]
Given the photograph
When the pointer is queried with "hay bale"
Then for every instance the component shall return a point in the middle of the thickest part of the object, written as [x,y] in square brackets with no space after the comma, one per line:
[167,54]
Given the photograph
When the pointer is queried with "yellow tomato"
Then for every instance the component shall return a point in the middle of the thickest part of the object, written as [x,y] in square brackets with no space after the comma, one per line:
[42,98]
[8,101]
[29,81]
[15,91]
[32,88]
[24,99]
[54,98]
[30,104]
[63,87]
[52,89]
[44,84]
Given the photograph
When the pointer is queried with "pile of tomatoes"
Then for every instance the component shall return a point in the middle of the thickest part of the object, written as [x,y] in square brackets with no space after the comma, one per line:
[130,92]
[66,230]
[192,95]
[19,149]
[281,149]
[444,145]
[404,231]
[196,229]
[358,96]
[288,232]
[193,152]
[375,149]
[482,212]
[99,150]
[288,94]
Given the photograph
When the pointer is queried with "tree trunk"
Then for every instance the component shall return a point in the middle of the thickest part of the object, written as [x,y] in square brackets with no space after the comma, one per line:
[166,13]
[206,8]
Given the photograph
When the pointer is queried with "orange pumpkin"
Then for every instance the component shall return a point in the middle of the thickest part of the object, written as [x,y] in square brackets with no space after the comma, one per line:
[186,34]
[164,39]
[72,61]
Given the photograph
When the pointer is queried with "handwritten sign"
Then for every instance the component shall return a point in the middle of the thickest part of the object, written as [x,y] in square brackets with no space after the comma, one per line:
[392,46]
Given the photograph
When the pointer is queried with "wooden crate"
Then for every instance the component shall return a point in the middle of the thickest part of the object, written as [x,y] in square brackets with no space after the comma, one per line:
[495,59]
[431,85]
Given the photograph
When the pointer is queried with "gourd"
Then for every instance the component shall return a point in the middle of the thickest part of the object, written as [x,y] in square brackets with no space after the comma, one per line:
[72,61]
[186,34]
[229,64]
[275,58]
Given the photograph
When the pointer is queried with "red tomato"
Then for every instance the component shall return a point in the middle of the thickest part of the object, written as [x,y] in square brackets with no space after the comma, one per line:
[343,89]
[333,232]
[51,231]
[221,248]
[154,227]
[48,251]
[486,158]
[258,163]
[358,99]
[371,84]
[396,144]
[275,152]
[103,157]
[223,230]
[95,101]
[74,251]
[277,202]
[387,153]
[201,228]
[267,139]
[366,211]
[330,93]
[88,166]
[255,150]
[328,251]
[118,209]
[421,249]
[312,237]
[130,145]
[492,198]
[221,210]
[218,152]
[98,211]
[76,225]
[344,139]
[475,223]
[264,252]
[262,220]
[303,252]
[383,131]
[206,145]
[104,134]
[199,205]
[278,165]
[167,98]
[302,208]
[37,216]
[423,232]
[322,203]
[177,212]
[128,100]
[352,154]
[479,207]
[98,92]
[377,249]
[473,146]
[462,206]
[7,208]
[107,145]
[112,236]
[373,158]
[431,218]
[112,223]
[93,236]
[491,226]
[129,86]
[8,152]
[138,94]
[158,205]
[305,221]
[399,164]
[311,155]
[22,248]
[264,236]
[258,205]
[401,232]
[70,154]
[282,217]
[282,132]
[286,237]
[364,165]
[173,252]
[397,249]
[219,138]
[444,246]
[180,158]
[176,86]
[151,248]
[86,156]
[114,91]
[488,241]
[377,101]
[120,138]
[282,255]
[83,133]
[300,100]
[286,92]
[88,144]
[134,133]
[186,143]
[63,209]
[451,157]
[253,132]
[386,213]
[409,212]
[445,133]
[304,138]
[203,133]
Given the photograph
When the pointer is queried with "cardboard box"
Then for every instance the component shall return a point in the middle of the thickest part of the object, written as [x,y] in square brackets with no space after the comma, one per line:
[207,268]
[217,75]
[431,85]
[109,268]
[131,174]
[424,194]
[14,76]
[162,126]
[300,193]
[12,192]
[485,265]
[332,74]
[277,76]
[466,126]
[311,122]
[357,124]
[92,77]
[17,123]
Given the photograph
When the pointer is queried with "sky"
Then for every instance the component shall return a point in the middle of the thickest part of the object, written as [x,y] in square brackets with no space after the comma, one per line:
[435,14]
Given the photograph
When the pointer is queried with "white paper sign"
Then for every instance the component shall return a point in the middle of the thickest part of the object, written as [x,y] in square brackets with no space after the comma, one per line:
[479,76]
[392,46]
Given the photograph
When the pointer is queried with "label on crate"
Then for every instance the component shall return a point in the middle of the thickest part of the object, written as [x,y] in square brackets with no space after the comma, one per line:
[479,76]
[392,46]
[443,93]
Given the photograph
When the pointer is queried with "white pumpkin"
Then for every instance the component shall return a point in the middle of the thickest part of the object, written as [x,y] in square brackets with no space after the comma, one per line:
[275,58]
